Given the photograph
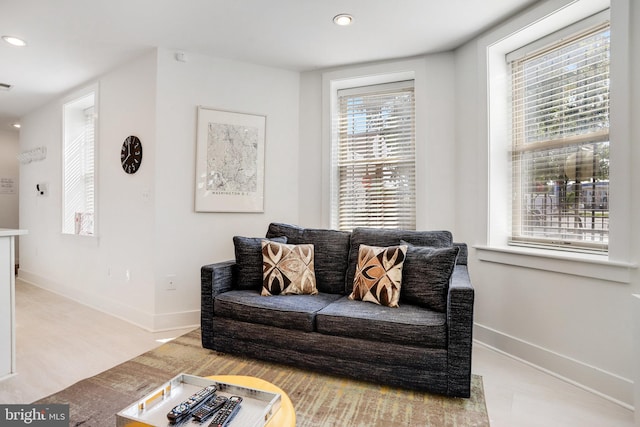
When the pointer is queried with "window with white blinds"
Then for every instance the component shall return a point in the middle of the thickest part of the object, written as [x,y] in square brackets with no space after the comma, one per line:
[560,139]
[374,157]
[79,178]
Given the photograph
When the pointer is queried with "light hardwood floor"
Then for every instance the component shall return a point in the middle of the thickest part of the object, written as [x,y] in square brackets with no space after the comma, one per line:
[60,342]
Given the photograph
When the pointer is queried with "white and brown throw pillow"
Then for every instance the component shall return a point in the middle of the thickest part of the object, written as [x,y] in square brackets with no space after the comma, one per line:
[287,269]
[378,277]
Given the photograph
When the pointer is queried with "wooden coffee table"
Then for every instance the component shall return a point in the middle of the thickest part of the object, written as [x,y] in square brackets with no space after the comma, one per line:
[284,417]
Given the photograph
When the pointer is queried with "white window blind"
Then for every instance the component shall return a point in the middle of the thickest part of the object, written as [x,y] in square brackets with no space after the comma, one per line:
[374,157]
[560,134]
[79,166]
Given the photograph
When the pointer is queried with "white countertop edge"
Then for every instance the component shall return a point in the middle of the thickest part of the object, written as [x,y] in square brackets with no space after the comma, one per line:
[4,232]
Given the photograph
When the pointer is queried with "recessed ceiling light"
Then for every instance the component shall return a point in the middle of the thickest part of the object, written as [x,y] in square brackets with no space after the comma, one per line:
[343,19]
[14,41]
[16,125]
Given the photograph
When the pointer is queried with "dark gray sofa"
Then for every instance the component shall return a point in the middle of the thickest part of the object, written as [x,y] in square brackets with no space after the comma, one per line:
[418,345]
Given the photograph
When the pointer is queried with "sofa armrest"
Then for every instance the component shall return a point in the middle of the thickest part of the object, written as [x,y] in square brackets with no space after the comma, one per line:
[214,280]
[460,331]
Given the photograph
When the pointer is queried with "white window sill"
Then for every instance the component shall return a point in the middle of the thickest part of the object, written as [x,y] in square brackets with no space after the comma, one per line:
[577,264]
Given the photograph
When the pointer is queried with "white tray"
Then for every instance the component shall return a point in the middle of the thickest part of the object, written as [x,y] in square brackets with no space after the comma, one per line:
[256,409]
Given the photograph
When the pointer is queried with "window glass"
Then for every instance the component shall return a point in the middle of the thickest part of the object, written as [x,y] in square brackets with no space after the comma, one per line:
[560,137]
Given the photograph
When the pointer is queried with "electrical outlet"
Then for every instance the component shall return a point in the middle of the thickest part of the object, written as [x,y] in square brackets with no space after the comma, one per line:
[170,284]
[146,196]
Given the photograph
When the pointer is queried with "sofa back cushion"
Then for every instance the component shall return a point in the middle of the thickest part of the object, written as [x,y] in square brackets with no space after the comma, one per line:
[463,254]
[248,252]
[426,276]
[331,251]
[389,237]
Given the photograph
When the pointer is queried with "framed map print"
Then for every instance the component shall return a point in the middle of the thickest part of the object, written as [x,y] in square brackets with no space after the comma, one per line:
[229,161]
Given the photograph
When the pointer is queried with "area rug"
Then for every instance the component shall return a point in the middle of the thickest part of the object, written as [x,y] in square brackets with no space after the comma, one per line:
[319,400]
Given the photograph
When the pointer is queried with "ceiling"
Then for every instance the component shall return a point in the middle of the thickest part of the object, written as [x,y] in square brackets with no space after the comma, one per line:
[74,41]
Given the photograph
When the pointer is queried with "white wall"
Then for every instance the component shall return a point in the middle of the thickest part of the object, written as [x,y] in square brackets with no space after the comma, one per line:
[578,327]
[311,152]
[184,239]
[435,151]
[93,270]
[9,169]
[634,201]
[147,226]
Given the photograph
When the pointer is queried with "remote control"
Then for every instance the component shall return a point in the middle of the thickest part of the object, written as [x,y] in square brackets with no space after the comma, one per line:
[227,412]
[186,408]
[209,408]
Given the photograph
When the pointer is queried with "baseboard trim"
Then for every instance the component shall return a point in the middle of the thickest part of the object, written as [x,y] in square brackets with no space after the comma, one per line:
[9,375]
[148,321]
[177,320]
[605,384]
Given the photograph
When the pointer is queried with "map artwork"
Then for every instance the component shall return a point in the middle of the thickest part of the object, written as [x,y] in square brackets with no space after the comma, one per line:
[232,159]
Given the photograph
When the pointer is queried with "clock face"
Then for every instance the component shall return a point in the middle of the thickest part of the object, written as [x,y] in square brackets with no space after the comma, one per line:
[131,154]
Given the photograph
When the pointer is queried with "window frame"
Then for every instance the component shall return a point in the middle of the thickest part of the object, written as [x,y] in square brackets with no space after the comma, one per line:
[332,82]
[67,101]
[523,227]
[492,243]
[338,163]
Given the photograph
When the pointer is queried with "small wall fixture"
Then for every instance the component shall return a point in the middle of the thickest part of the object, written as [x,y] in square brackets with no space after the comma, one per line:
[42,189]
[343,19]
[33,155]
[14,41]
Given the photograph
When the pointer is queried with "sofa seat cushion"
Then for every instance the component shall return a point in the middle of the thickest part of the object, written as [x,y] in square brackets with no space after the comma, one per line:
[283,311]
[407,324]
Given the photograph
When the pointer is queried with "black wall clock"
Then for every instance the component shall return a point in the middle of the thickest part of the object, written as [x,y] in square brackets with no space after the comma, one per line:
[131,154]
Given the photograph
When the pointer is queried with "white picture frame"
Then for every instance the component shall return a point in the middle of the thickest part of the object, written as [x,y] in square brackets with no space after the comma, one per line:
[229,161]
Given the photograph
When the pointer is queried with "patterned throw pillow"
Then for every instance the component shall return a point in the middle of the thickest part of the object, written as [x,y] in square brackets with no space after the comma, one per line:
[287,269]
[379,274]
